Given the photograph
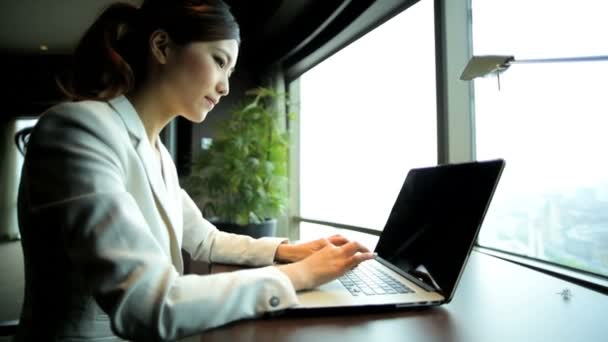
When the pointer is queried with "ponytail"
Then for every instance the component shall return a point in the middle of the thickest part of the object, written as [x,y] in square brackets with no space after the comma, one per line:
[111,58]
[99,70]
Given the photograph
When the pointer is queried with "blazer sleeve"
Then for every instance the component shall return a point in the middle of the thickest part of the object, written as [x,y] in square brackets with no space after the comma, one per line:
[206,243]
[75,180]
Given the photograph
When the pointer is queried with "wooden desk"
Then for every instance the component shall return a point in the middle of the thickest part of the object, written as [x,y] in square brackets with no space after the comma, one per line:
[491,304]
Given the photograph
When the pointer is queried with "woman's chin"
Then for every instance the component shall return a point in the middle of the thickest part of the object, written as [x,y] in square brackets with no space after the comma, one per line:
[198,117]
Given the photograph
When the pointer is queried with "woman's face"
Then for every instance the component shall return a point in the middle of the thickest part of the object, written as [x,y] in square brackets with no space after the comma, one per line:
[197,76]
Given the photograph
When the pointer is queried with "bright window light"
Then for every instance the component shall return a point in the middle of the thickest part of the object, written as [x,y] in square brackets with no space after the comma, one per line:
[549,122]
[368,115]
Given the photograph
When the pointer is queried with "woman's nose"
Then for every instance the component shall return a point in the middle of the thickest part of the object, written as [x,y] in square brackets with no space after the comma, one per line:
[223,87]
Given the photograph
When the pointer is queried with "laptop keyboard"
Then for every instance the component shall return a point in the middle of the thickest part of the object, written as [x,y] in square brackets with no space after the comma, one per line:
[369,280]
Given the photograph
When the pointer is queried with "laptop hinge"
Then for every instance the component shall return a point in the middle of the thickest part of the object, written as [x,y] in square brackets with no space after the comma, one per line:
[417,281]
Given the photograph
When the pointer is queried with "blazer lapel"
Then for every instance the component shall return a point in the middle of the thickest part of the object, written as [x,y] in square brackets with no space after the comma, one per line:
[153,171]
[173,190]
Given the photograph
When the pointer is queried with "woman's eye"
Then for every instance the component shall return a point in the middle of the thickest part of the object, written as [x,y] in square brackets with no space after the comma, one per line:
[220,62]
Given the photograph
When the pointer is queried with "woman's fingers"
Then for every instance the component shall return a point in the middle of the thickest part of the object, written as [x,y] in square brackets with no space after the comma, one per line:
[355,254]
[328,263]
[356,259]
[361,257]
[337,240]
[353,247]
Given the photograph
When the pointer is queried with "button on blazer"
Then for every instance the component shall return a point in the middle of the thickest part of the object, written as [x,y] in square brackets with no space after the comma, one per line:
[103,222]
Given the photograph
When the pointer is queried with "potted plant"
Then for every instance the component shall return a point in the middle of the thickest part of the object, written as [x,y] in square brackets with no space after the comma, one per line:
[240,180]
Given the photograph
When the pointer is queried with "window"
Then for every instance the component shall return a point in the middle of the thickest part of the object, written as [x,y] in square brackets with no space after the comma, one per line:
[549,122]
[367,116]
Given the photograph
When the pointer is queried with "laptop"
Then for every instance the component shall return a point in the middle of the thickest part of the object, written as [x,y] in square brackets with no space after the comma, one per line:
[425,244]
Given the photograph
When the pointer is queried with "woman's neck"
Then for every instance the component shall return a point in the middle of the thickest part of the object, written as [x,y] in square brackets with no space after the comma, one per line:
[152,113]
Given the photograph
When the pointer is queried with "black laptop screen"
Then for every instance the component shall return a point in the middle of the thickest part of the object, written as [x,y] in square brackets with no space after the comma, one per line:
[435,220]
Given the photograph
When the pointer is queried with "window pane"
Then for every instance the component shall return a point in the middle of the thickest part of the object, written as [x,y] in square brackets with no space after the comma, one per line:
[549,122]
[540,28]
[368,115]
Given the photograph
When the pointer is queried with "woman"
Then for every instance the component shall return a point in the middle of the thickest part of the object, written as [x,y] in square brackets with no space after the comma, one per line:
[102,215]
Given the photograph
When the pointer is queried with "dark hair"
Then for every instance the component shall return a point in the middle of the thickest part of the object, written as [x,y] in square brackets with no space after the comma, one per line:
[111,57]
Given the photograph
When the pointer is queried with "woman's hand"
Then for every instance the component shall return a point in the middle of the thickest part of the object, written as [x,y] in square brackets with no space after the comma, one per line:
[328,263]
[296,252]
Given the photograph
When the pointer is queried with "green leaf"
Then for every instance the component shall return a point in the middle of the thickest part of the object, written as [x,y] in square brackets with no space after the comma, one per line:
[243,174]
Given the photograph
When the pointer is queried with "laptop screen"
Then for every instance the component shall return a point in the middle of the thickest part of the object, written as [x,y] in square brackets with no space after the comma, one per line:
[435,220]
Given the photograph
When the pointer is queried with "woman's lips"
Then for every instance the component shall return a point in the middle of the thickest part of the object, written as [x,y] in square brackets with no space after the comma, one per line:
[210,101]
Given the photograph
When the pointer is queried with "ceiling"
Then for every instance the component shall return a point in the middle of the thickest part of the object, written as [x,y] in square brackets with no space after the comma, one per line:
[270,29]
[26,25]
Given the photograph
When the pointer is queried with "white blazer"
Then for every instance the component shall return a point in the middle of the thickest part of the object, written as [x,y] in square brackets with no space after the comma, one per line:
[102,229]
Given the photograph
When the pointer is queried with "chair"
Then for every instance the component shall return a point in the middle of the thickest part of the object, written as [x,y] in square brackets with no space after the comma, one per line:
[21,138]
[9,327]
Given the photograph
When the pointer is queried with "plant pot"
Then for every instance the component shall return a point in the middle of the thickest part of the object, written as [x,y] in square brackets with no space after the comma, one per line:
[255,230]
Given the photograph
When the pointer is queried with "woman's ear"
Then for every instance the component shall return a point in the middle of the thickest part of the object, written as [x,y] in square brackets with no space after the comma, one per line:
[160,44]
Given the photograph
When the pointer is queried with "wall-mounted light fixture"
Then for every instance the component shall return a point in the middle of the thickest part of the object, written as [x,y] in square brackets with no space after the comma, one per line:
[480,66]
